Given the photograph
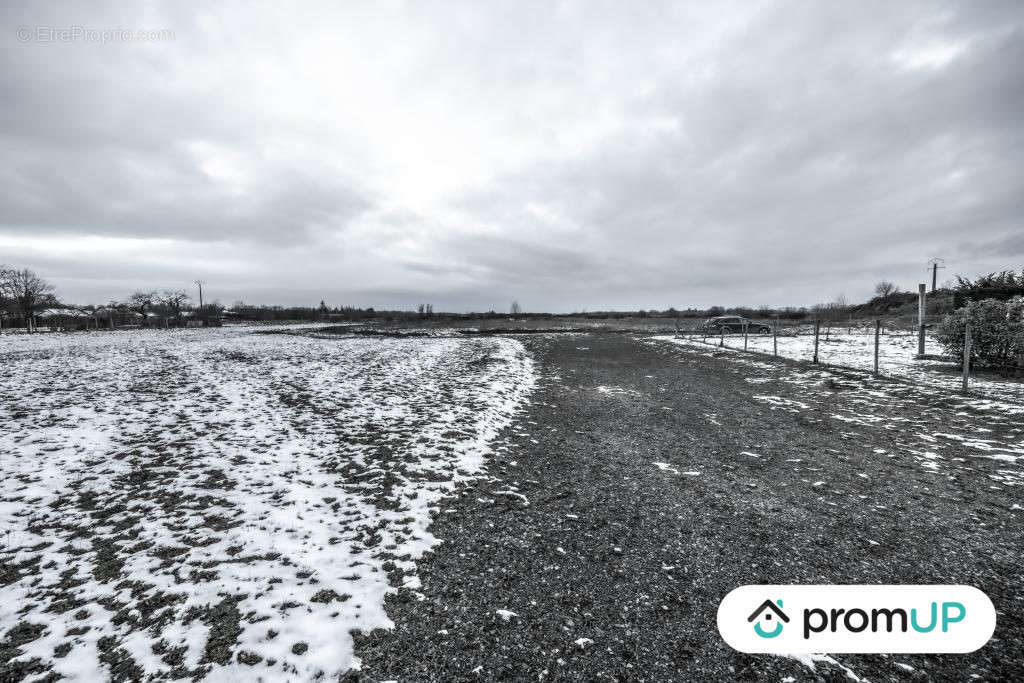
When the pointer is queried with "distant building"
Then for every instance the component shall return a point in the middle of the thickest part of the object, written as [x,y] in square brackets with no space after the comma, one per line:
[112,316]
[63,318]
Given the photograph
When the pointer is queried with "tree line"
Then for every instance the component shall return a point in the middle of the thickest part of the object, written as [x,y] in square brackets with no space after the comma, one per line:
[24,296]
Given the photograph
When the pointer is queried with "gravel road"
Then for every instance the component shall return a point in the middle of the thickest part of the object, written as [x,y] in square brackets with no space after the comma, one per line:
[579,559]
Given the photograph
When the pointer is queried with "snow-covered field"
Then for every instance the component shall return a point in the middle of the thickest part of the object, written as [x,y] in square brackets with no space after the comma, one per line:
[216,501]
[895,359]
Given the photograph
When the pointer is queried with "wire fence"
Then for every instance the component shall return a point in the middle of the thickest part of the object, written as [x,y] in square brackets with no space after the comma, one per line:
[883,349]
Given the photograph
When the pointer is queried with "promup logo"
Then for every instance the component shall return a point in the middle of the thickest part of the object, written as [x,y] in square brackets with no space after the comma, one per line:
[864,619]
[765,613]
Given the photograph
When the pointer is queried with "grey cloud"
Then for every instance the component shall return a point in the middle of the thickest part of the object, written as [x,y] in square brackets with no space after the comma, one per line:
[679,155]
[803,171]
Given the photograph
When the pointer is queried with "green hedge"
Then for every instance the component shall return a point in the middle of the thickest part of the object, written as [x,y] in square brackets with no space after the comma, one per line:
[997,332]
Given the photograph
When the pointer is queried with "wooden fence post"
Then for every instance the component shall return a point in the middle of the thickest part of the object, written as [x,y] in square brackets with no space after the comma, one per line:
[721,339]
[817,327]
[775,337]
[744,336]
[967,354]
[921,313]
[878,328]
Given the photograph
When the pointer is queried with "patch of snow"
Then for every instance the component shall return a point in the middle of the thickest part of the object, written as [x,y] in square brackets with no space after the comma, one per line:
[270,475]
[810,660]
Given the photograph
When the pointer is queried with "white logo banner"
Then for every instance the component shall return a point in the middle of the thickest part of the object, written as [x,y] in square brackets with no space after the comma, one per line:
[861,618]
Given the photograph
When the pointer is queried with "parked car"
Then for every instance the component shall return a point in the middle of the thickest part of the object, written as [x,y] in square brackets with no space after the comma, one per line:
[728,324]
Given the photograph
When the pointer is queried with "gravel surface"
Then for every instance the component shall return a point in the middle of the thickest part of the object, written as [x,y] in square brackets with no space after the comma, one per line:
[579,558]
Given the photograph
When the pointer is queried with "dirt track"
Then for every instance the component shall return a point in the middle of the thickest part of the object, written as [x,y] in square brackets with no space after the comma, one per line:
[635,558]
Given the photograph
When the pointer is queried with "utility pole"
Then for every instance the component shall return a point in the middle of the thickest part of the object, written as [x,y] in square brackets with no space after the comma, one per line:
[935,264]
[200,284]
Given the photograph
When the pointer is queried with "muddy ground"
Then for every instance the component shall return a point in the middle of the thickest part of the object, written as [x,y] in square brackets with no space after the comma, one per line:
[634,558]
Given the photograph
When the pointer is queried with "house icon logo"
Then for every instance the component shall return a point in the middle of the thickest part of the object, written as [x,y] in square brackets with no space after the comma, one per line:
[765,614]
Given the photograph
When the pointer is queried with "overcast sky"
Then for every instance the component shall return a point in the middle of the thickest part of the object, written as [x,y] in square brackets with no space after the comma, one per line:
[570,155]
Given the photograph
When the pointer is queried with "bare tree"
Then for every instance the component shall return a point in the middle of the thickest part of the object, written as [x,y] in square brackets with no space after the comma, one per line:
[141,303]
[172,301]
[842,306]
[833,311]
[885,289]
[27,293]
[516,309]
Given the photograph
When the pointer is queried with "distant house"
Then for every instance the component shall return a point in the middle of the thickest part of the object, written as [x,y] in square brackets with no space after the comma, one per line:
[53,313]
[110,316]
[63,318]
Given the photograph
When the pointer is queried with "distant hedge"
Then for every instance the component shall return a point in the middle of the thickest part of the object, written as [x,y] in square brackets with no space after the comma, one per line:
[962,297]
[1004,285]
[997,332]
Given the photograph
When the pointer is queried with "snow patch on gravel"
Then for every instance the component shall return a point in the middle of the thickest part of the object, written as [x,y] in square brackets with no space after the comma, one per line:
[168,494]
